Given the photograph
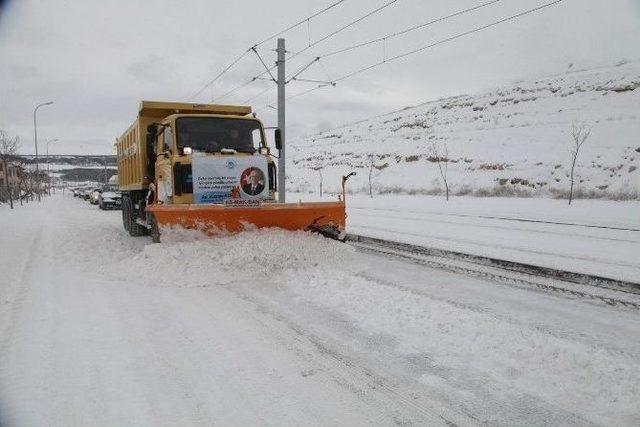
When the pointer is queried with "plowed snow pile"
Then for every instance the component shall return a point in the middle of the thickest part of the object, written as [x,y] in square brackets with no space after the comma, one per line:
[332,275]
[499,353]
[189,258]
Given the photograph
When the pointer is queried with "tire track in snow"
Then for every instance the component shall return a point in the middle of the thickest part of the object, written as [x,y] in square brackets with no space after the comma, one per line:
[408,402]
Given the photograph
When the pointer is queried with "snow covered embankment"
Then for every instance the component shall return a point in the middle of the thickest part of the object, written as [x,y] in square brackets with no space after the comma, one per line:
[510,141]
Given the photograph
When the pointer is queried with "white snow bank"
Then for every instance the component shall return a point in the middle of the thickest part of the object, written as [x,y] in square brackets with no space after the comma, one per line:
[575,376]
[568,373]
[469,331]
[189,258]
[513,140]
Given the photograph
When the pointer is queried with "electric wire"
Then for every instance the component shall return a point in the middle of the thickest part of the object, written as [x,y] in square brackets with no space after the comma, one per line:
[398,33]
[307,19]
[235,89]
[258,95]
[344,27]
[335,32]
[431,45]
[408,30]
[220,74]
[239,58]
[263,63]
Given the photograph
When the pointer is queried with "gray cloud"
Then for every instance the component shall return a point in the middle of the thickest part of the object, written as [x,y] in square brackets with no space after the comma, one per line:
[97,59]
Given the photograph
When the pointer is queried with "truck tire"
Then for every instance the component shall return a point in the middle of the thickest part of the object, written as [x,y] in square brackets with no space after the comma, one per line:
[129,217]
[126,212]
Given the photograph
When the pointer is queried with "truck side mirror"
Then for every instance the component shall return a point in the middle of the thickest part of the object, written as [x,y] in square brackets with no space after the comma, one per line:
[277,134]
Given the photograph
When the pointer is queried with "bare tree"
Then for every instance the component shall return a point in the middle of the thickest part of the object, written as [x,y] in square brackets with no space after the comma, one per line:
[441,157]
[8,149]
[371,163]
[374,170]
[579,134]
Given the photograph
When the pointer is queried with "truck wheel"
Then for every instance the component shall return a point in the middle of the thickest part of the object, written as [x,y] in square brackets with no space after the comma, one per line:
[129,219]
[136,229]
[155,230]
[126,212]
[101,206]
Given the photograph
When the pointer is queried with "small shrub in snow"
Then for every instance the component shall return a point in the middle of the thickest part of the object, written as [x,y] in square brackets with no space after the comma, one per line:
[493,166]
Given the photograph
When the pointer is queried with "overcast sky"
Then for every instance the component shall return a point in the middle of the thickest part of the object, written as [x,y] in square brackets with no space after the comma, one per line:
[97,59]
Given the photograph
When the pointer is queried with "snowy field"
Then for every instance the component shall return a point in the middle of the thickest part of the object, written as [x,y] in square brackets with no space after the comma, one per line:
[513,140]
[276,328]
[596,237]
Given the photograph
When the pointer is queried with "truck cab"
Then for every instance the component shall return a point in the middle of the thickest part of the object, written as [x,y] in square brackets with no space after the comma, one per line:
[178,139]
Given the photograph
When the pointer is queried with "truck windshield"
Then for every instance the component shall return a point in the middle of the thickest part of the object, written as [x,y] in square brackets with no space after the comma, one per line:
[214,134]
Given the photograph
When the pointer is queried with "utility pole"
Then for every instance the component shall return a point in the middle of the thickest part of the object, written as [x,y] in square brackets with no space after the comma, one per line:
[281,120]
[35,138]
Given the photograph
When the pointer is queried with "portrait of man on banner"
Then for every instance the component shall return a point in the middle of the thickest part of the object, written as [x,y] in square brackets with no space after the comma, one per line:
[252,181]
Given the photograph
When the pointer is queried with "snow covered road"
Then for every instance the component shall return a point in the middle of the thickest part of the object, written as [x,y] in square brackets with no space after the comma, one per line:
[274,328]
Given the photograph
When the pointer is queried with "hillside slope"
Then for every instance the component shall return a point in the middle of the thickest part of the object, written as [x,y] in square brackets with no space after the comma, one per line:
[514,140]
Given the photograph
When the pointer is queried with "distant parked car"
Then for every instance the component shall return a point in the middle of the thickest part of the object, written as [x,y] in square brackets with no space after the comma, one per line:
[86,193]
[110,198]
[94,194]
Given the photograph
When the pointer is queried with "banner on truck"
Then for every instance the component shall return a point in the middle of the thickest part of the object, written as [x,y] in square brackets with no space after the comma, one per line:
[217,179]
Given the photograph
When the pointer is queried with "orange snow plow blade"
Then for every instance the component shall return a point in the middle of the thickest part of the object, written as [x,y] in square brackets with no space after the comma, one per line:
[326,218]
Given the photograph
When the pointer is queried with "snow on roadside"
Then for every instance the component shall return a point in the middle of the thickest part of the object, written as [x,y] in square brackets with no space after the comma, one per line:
[332,275]
[599,382]
[557,370]
[512,140]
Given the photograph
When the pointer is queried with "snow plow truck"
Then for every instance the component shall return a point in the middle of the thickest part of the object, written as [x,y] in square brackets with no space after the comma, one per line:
[208,167]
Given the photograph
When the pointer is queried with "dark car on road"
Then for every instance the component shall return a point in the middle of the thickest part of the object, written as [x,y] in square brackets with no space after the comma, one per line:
[110,198]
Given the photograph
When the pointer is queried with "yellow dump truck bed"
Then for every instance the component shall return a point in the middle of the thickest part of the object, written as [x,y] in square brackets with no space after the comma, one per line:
[131,147]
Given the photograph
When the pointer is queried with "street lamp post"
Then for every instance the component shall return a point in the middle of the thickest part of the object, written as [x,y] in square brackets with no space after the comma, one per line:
[35,138]
[48,174]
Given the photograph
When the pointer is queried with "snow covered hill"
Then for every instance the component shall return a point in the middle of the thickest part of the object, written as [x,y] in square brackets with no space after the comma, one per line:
[514,140]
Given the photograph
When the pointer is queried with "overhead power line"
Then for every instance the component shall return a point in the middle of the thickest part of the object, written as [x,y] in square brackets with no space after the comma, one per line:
[344,27]
[320,40]
[305,20]
[239,58]
[227,68]
[437,43]
[408,30]
[259,94]
[390,36]
[333,33]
